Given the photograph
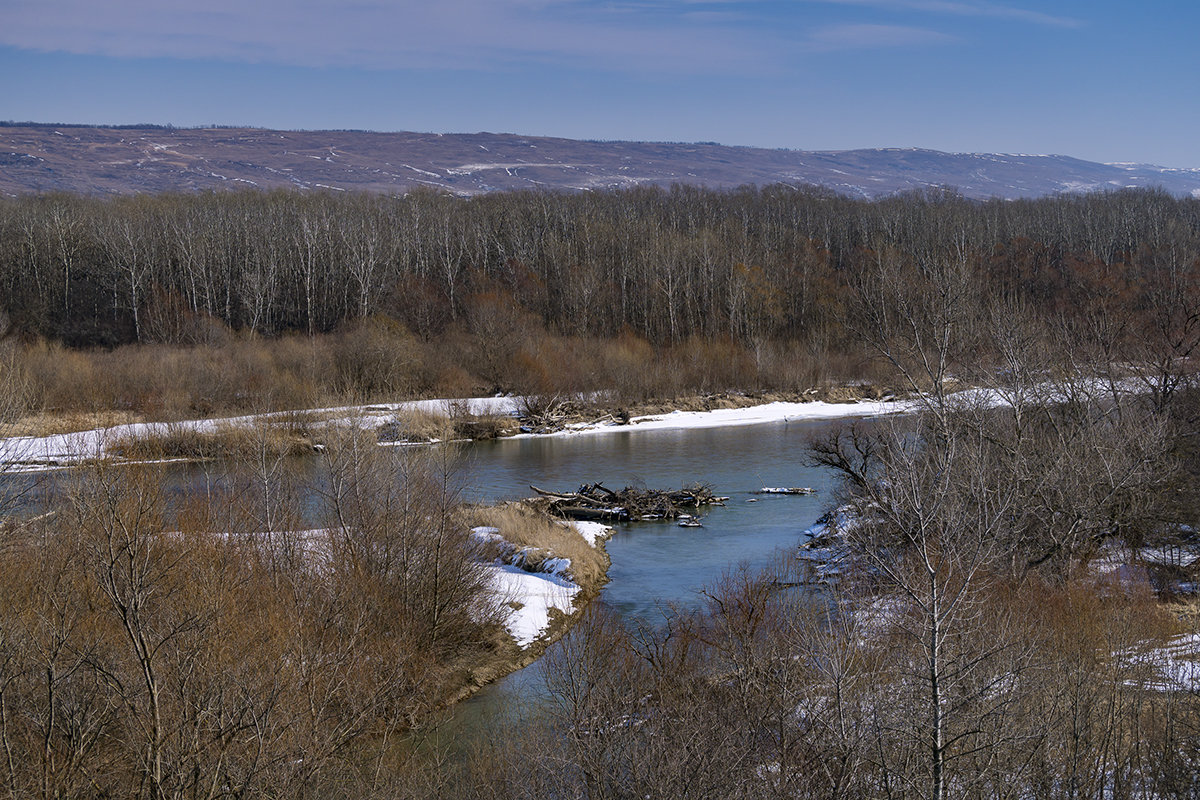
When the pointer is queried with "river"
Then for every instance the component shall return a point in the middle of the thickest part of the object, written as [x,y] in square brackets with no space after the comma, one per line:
[656,563]
[653,563]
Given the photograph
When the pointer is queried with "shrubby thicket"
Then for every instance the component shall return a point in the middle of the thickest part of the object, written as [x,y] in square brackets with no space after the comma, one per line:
[283,632]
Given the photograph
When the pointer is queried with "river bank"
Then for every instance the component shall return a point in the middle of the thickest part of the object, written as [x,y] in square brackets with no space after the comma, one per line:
[542,589]
[409,422]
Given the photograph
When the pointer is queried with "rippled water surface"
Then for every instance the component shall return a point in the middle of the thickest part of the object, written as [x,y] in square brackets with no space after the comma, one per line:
[656,561]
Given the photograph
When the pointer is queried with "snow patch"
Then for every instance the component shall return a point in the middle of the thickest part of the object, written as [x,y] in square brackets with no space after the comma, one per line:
[527,596]
[468,169]
[752,415]
[422,171]
[1174,666]
[485,534]
[593,532]
[530,596]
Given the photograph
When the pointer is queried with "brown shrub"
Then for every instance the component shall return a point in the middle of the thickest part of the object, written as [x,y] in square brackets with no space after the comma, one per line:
[451,380]
[175,382]
[14,388]
[376,359]
[62,379]
[180,441]
[483,427]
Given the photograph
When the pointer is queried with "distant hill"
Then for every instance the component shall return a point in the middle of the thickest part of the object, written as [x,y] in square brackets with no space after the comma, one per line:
[127,159]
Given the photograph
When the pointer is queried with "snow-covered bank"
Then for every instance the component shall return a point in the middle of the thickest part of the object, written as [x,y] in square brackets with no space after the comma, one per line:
[530,596]
[751,415]
[31,453]
[1170,667]
[34,453]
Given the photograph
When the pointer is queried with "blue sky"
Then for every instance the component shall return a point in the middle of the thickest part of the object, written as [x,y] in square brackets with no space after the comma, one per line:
[1102,80]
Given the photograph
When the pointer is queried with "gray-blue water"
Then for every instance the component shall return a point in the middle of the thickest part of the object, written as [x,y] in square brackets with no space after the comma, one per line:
[654,563]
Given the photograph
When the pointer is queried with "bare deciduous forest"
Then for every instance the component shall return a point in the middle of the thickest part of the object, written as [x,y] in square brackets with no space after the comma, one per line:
[650,292]
[970,647]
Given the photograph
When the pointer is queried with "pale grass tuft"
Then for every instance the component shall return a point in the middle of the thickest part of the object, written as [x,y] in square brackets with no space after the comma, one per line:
[181,441]
[417,425]
[547,537]
[51,424]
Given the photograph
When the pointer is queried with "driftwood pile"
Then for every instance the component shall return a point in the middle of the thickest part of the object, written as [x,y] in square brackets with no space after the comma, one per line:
[552,413]
[593,501]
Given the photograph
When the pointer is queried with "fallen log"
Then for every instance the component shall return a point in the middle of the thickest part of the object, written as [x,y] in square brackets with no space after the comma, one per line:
[575,497]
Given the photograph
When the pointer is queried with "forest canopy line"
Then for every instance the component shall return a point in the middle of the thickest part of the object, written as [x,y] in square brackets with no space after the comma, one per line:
[756,283]
[666,264]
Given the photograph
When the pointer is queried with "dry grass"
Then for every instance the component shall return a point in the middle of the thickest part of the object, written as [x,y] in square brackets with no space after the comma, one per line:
[483,427]
[416,425]
[547,537]
[1187,611]
[377,360]
[180,441]
[47,424]
[856,393]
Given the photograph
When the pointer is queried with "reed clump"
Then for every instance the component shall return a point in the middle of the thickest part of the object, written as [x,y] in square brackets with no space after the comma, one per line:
[541,537]
[180,441]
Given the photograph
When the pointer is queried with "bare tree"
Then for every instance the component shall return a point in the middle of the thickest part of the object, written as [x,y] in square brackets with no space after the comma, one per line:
[926,521]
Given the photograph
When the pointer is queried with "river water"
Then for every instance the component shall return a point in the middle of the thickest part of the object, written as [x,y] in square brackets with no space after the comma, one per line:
[653,563]
[656,563]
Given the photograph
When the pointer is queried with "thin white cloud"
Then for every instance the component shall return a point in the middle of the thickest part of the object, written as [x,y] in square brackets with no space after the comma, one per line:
[859,37]
[964,8]
[746,37]
[384,35]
